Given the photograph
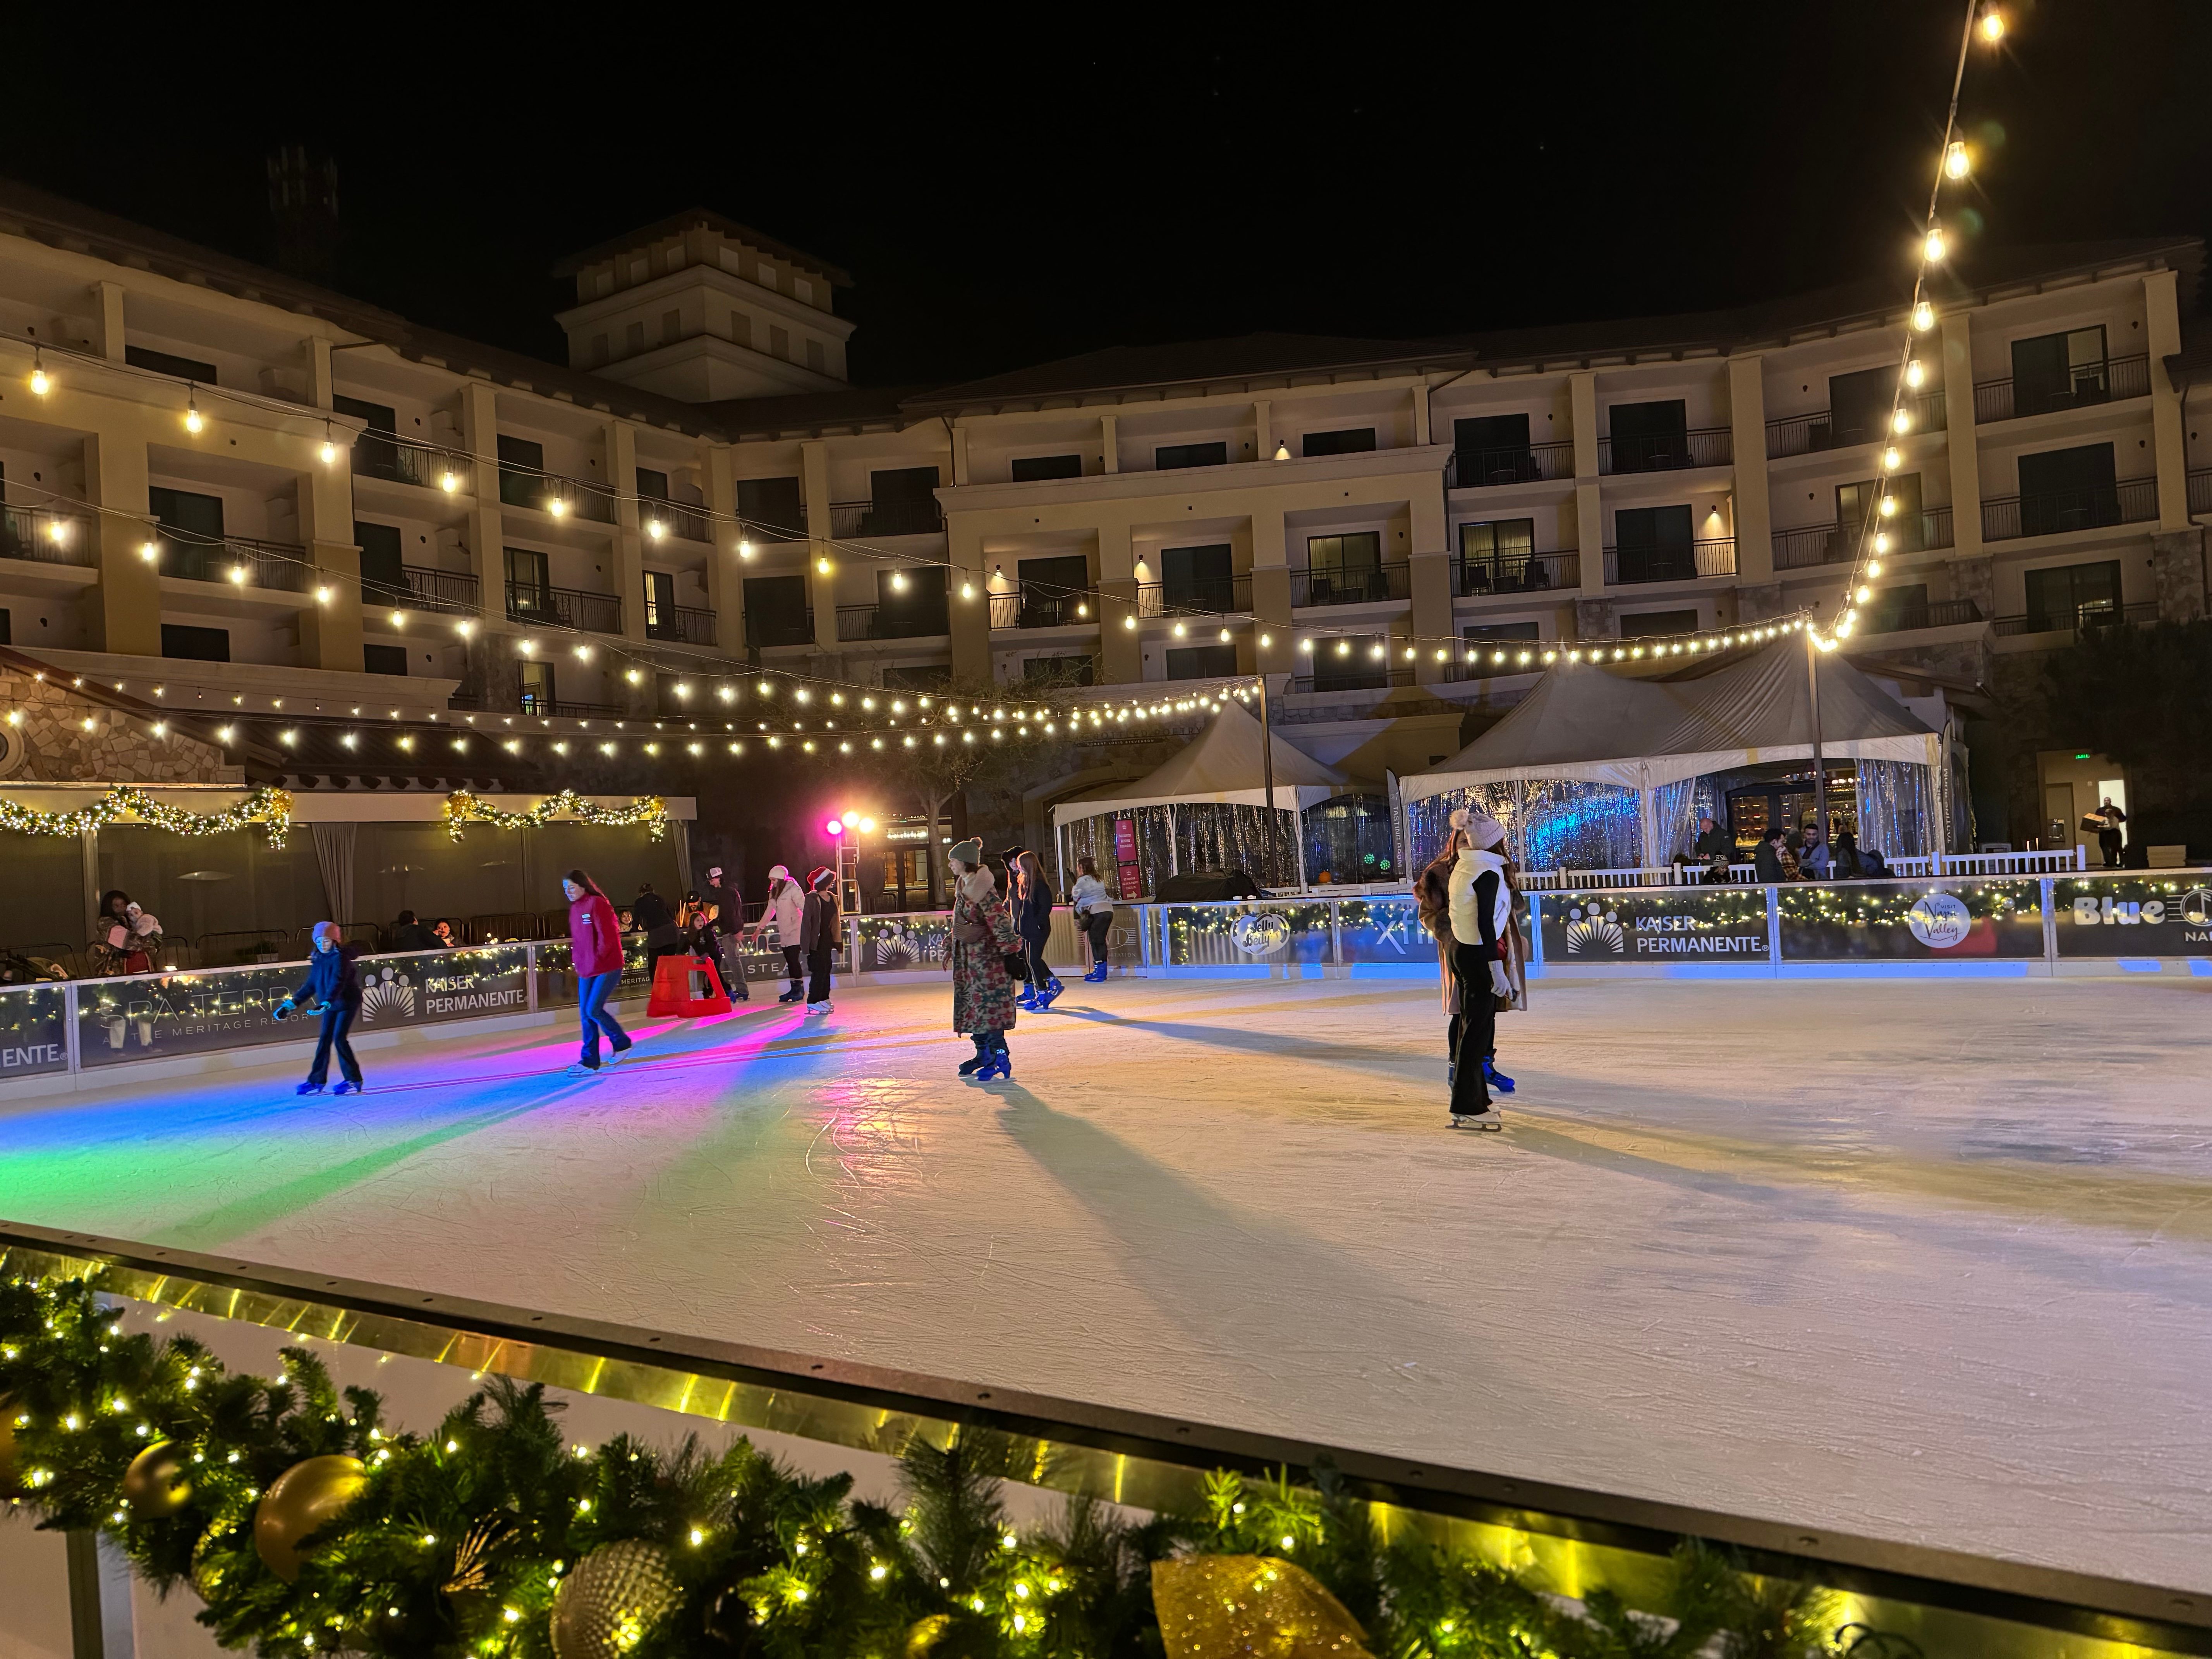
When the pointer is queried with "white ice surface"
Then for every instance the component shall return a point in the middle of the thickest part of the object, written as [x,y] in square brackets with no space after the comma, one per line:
[1928,1260]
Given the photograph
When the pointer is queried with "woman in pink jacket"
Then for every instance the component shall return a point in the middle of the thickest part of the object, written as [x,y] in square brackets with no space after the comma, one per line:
[596,947]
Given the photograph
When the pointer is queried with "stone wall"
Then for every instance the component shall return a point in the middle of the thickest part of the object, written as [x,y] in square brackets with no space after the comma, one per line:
[46,741]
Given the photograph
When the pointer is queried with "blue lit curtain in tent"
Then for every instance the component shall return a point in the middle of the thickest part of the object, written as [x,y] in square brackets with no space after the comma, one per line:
[1674,815]
[1551,823]
[1897,807]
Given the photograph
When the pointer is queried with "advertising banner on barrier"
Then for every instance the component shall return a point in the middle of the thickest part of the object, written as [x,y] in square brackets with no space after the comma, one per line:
[1716,924]
[34,1038]
[1952,920]
[2133,916]
[895,943]
[1256,935]
[161,1015]
[1386,931]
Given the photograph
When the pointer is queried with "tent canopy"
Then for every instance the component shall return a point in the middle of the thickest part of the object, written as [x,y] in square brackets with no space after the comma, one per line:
[1592,723]
[1220,764]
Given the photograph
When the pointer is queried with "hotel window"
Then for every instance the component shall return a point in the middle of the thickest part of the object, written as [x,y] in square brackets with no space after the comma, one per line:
[1171,458]
[1351,441]
[1031,469]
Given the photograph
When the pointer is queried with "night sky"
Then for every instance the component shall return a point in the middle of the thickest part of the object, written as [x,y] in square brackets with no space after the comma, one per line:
[1033,190]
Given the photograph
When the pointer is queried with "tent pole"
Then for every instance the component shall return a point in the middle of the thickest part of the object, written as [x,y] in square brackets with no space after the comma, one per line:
[1819,766]
[1267,781]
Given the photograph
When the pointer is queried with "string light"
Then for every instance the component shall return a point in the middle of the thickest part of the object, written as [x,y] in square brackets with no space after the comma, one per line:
[39,384]
[192,421]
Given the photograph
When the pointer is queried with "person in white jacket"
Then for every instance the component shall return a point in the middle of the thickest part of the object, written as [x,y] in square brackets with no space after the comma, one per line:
[1481,911]
[1094,914]
[787,914]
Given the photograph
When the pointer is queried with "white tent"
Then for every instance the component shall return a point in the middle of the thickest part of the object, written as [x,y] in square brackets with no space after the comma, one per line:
[1592,723]
[1222,764]
[1219,767]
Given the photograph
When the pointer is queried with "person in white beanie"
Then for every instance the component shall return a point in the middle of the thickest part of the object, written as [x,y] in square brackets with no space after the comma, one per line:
[787,914]
[1481,909]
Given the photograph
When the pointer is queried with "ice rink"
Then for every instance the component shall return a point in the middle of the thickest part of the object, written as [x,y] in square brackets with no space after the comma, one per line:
[1924,1260]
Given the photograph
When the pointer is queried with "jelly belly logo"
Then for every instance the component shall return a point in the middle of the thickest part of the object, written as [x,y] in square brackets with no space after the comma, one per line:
[1939,921]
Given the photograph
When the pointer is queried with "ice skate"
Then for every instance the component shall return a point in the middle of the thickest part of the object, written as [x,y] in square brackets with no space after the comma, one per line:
[579,1069]
[343,1087]
[308,1089]
[1484,1120]
[821,1007]
[1052,988]
[796,994]
[1496,1078]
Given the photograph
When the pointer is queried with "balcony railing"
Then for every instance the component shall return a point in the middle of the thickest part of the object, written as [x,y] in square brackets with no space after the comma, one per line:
[2081,619]
[1943,613]
[423,588]
[2086,384]
[1808,434]
[1676,562]
[47,535]
[564,607]
[1838,544]
[1374,585]
[765,629]
[2131,501]
[683,624]
[377,457]
[1362,676]
[1522,464]
[1515,573]
[2200,492]
[579,498]
[892,622]
[675,519]
[240,560]
[1215,597]
[1032,610]
[921,516]
[1665,452]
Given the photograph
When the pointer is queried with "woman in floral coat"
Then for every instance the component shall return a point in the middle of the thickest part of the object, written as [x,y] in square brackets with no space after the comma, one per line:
[983,936]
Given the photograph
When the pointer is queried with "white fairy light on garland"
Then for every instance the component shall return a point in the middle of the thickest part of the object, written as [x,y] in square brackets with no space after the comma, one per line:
[464,806]
[271,808]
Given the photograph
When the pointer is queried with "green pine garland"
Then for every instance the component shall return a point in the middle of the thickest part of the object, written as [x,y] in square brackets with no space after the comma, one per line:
[459,1541]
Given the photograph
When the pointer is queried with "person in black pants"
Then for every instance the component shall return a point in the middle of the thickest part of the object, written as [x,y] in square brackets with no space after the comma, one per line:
[663,936]
[818,935]
[2112,840]
[721,938]
[332,981]
[1481,909]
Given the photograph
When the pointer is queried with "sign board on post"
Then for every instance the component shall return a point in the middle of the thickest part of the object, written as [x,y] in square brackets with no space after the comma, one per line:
[1126,865]
[1941,920]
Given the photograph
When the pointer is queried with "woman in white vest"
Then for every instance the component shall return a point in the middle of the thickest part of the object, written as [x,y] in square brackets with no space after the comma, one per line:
[1481,912]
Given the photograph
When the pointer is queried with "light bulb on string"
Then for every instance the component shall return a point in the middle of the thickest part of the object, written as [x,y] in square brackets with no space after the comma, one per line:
[1924,316]
[556,505]
[656,528]
[192,421]
[1915,372]
[39,384]
[1873,566]
[1901,420]
[330,447]
[1889,507]
[1993,25]
[1956,162]
[1865,593]
[1932,247]
[822,567]
[449,481]
[1891,460]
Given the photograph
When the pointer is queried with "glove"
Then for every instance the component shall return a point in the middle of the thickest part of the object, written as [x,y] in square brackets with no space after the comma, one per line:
[1500,981]
[284,1009]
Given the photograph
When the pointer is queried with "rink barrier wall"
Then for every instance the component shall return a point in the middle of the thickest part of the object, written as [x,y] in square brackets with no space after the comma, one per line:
[1962,926]
[1960,1604]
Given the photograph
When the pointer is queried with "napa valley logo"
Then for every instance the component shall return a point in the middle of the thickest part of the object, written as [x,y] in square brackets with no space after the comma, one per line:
[1939,921]
[1592,932]
[387,995]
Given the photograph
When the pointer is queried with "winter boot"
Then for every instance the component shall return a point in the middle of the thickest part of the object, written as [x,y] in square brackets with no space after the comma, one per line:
[1496,1078]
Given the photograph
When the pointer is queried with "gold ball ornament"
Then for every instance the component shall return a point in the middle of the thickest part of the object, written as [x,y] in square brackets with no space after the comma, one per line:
[157,1484]
[1250,1607]
[299,1504]
[616,1595]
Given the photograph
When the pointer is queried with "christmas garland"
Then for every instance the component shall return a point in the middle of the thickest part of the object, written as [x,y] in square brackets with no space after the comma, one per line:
[308,1526]
[464,807]
[271,808]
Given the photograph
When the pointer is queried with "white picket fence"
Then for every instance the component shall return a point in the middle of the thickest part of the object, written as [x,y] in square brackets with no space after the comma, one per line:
[2053,861]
